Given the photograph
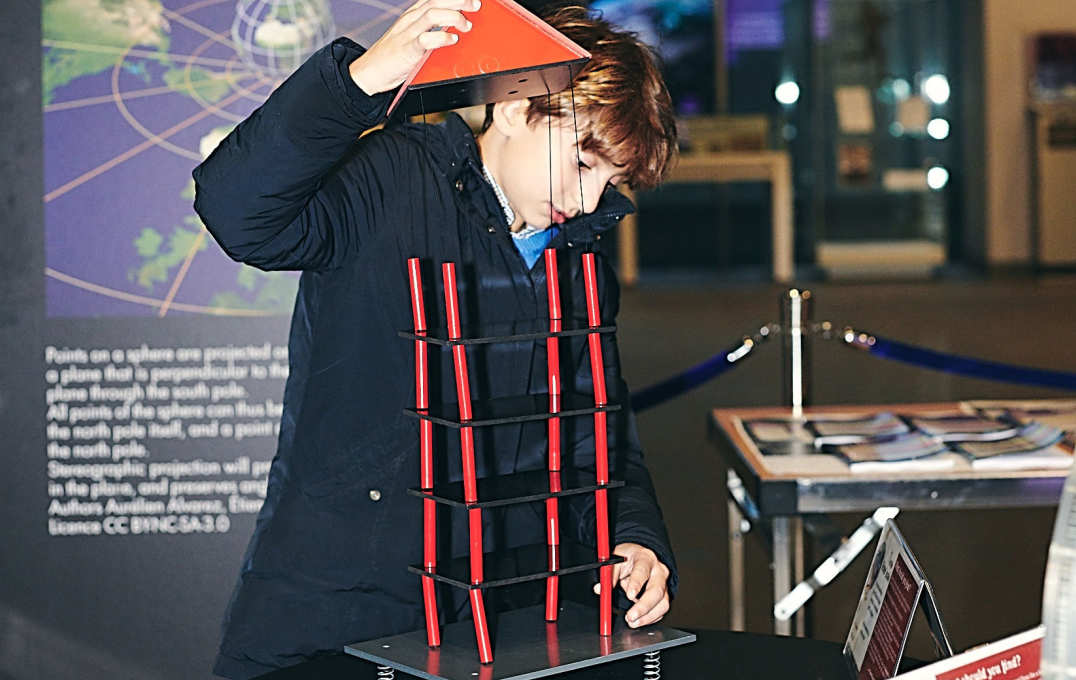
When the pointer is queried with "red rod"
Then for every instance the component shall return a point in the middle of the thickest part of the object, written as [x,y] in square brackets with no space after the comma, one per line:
[433,662]
[422,380]
[552,645]
[553,355]
[463,386]
[552,283]
[429,597]
[605,604]
[553,528]
[478,610]
[597,369]
[429,522]
[552,583]
[605,574]
[474,521]
[422,405]
[552,508]
[606,645]
[552,595]
[470,482]
[601,446]
[553,432]
[601,511]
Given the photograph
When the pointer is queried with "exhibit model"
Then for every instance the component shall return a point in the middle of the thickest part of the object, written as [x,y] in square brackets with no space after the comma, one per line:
[535,641]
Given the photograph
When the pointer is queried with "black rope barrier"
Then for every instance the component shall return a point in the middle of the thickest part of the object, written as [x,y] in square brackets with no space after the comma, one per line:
[953,363]
[884,348]
[700,373]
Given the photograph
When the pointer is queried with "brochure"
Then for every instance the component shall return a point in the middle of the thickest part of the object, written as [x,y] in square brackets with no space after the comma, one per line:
[995,436]
[906,452]
[1033,446]
[959,427]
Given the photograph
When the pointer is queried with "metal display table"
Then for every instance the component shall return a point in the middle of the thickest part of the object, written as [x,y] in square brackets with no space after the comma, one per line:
[776,492]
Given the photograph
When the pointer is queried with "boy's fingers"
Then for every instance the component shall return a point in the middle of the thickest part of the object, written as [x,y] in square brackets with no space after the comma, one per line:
[620,568]
[417,12]
[431,40]
[463,5]
[651,615]
[633,581]
[617,569]
[655,601]
[434,19]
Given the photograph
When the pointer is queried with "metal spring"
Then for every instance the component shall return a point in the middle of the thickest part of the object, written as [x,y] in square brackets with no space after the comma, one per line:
[652,666]
[386,673]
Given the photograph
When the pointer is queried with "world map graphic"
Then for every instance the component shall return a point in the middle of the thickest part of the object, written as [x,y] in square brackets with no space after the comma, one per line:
[135,94]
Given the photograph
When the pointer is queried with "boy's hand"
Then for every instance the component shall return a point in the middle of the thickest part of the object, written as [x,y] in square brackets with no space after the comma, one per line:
[391,59]
[641,567]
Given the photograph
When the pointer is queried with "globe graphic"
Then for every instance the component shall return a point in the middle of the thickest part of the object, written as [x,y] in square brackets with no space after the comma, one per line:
[275,36]
[161,83]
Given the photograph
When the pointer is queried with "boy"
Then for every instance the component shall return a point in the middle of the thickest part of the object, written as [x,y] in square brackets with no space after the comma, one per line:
[293,188]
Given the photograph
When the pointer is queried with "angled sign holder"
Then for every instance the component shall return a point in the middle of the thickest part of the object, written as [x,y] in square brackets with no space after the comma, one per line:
[509,53]
[896,587]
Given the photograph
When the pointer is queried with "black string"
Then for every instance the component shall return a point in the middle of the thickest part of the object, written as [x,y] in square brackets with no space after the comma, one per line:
[425,127]
[426,134]
[425,198]
[575,127]
[549,129]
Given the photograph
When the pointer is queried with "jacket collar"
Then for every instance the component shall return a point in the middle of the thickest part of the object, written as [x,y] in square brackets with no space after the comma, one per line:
[463,167]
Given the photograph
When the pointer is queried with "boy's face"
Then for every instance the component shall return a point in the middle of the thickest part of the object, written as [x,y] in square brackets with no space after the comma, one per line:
[578,177]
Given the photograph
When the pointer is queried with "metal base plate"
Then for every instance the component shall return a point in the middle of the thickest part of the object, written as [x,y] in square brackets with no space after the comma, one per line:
[524,647]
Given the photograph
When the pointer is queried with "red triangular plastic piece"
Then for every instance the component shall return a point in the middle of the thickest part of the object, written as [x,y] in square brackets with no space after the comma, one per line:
[491,62]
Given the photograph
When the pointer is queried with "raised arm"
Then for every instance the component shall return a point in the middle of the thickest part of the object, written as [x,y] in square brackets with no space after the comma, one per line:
[293,186]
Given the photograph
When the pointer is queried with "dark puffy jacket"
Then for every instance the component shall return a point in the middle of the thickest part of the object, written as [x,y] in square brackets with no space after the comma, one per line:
[292,188]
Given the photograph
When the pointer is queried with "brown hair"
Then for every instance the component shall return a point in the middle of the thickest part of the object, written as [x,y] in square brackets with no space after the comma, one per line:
[620,92]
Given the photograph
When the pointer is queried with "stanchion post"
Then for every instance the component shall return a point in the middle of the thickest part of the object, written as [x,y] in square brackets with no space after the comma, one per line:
[737,585]
[795,346]
[788,548]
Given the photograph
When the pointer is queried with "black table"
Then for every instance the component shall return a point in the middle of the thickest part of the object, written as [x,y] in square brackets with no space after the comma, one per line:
[717,655]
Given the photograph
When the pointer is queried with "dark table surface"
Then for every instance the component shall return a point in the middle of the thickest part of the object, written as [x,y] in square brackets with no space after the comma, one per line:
[717,655]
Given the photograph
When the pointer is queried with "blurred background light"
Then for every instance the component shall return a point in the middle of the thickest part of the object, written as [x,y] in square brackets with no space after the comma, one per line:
[901,88]
[937,177]
[938,128]
[788,92]
[936,88]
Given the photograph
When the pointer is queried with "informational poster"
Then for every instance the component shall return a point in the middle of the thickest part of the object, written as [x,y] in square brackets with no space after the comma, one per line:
[881,625]
[141,370]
